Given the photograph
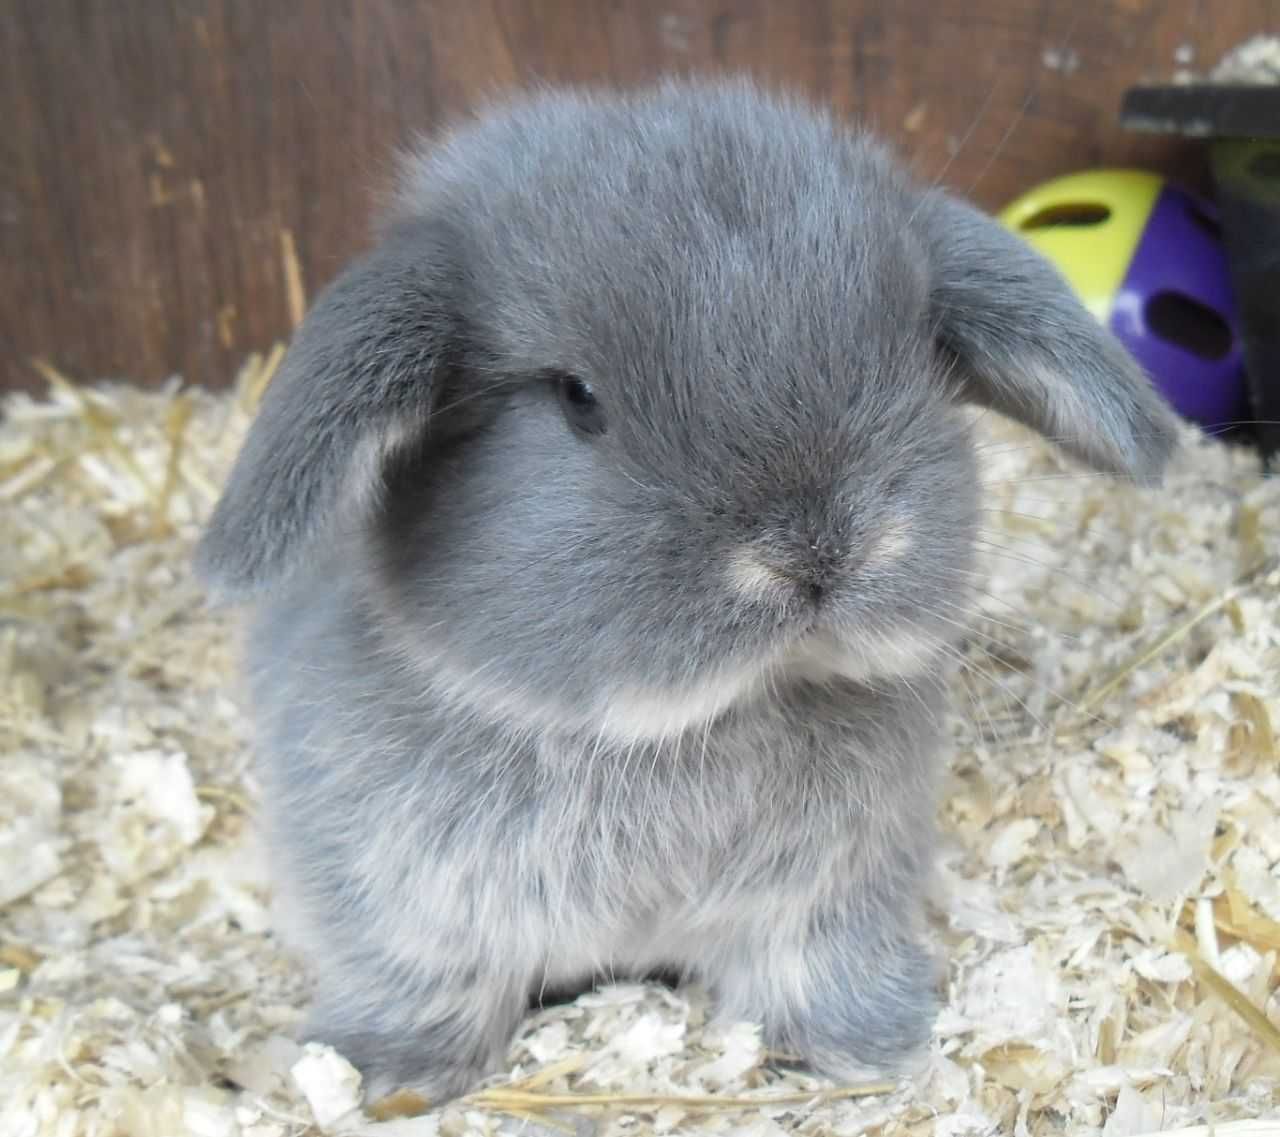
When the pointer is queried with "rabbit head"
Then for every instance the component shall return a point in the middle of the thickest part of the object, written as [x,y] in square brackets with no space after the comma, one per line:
[644,403]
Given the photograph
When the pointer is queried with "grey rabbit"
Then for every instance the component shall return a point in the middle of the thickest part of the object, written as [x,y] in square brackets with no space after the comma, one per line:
[609,527]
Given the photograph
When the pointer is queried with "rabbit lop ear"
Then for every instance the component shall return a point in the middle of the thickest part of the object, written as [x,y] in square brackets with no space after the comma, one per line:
[357,381]
[1025,346]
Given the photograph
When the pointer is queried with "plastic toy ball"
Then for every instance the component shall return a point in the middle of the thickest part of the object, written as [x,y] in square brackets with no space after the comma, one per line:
[1147,259]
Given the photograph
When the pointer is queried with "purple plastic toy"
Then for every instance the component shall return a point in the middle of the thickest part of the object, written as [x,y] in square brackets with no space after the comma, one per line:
[1175,311]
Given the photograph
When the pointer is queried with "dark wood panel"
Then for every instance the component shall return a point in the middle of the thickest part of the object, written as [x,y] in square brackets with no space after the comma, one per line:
[165,168]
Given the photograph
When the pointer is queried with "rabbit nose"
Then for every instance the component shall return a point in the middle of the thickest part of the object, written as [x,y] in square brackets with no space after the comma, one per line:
[806,568]
[797,559]
[814,562]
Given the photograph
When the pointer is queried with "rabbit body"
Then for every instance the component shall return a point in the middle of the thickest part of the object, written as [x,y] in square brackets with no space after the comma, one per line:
[610,525]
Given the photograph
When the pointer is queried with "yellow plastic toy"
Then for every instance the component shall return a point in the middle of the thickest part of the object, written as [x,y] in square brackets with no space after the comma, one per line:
[1089,225]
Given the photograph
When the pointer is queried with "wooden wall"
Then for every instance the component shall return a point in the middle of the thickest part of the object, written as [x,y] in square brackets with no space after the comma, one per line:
[177,175]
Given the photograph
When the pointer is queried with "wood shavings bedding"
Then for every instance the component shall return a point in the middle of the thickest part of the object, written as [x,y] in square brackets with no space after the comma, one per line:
[1108,899]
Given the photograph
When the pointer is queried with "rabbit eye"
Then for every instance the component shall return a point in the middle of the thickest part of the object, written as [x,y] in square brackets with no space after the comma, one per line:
[579,403]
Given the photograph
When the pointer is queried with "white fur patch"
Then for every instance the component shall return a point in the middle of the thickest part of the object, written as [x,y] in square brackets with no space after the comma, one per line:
[752,578]
[861,656]
[629,715]
[891,544]
[650,715]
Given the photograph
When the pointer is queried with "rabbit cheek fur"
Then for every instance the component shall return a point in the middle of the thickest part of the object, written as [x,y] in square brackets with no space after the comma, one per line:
[539,700]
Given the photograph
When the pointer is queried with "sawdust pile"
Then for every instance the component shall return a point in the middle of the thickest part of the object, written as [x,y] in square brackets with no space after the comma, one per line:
[1254,62]
[1110,897]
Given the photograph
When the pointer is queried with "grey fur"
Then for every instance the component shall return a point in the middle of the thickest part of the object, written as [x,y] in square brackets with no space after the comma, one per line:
[535,706]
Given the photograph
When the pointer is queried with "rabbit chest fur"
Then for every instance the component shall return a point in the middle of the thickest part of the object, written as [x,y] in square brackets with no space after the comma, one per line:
[427,858]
